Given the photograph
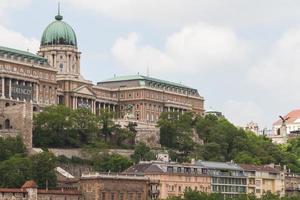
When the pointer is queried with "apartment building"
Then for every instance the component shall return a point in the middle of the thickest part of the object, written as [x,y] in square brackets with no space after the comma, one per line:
[263,179]
[228,179]
[174,179]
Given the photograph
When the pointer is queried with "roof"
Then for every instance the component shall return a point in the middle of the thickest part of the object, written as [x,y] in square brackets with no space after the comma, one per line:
[60,192]
[12,190]
[263,168]
[144,168]
[59,33]
[292,117]
[21,53]
[110,176]
[29,184]
[141,77]
[219,165]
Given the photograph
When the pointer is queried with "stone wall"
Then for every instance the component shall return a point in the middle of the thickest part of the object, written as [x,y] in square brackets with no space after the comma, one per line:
[146,133]
[19,119]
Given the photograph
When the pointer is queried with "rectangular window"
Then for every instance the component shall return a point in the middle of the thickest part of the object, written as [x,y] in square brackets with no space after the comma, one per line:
[169,169]
[121,196]
[139,196]
[130,196]
[178,169]
[103,196]
[112,196]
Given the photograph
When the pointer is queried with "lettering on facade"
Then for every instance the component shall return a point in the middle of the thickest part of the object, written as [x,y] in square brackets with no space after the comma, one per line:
[21,91]
[84,104]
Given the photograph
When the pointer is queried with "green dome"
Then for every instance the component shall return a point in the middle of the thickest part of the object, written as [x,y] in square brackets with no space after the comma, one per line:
[59,33]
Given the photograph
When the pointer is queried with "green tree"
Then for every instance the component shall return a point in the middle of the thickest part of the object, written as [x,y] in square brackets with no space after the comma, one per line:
[106,123]
[15,171]
[11,146]
[52,127]
[142,153]
[85,123]
[43,168]
[176,131]
[111,163]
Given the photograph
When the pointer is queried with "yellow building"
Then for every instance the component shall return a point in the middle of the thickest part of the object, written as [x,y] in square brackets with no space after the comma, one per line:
[173,178]
[263,179]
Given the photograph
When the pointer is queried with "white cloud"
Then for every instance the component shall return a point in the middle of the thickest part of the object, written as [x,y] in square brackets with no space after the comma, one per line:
[180,12]
[278,72]
[193,49]
[6,5]
[16,40]
[242,112]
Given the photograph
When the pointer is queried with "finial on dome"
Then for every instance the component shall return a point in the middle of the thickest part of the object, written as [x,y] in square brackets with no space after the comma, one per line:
[58,16]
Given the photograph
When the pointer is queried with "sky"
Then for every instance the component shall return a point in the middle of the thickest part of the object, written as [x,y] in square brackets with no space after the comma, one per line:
[242,56]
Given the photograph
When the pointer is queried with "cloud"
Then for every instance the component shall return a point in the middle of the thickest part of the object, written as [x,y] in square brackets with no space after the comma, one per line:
[16,40]
[195,48]
[242,112]
[6,5]
[180,12]
[278,72]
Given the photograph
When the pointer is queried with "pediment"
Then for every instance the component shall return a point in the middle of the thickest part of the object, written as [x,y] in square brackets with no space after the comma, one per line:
[84,90]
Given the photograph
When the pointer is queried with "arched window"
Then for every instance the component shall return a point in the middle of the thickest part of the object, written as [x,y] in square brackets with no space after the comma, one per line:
[7,124]
[7,104]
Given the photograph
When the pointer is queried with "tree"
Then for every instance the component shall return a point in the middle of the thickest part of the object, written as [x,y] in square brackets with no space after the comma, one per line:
[106,123]
[15,171]
[52,127]
[85,123]
[11,146]
[176,131]
[59,126]
[111,163]
[43,168]
[142,153]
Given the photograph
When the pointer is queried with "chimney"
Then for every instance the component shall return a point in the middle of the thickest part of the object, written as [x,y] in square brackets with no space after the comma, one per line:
[193,161]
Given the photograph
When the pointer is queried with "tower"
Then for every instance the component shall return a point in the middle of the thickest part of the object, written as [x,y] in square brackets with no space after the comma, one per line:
[59,46]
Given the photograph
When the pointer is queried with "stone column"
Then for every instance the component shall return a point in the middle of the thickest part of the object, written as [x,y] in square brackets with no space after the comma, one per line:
[3,88]
[9,89]
[73,99]
[76,98]
[93,107]
[36,93]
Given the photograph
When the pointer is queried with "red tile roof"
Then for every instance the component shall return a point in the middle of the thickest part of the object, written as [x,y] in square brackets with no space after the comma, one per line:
[263,168]
[292,116]
[29,184]
[12,190]
[59,192]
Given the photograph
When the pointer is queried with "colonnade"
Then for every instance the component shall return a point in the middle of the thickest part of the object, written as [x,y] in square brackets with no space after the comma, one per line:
[6,89]
[94,105]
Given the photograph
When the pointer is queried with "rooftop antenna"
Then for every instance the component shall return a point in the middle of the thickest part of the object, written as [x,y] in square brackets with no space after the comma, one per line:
[58,8]
[58,16]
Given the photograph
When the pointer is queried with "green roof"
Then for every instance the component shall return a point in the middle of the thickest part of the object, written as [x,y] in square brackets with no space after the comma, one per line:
[146,78]
[21,53]
[59,33]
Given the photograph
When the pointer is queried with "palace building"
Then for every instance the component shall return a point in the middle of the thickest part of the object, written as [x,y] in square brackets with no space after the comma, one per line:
[53,77]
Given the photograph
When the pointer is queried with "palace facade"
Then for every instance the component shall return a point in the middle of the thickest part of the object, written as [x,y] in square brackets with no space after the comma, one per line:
[53,77]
